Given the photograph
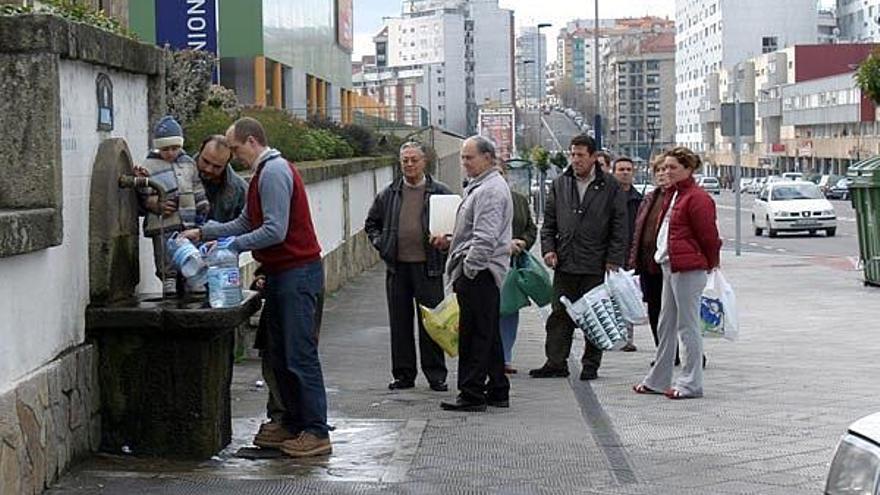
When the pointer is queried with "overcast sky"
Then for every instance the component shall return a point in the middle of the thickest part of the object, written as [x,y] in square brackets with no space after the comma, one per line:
[368,14]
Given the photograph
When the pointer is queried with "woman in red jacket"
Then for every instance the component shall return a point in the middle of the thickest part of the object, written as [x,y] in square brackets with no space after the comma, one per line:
[688,248]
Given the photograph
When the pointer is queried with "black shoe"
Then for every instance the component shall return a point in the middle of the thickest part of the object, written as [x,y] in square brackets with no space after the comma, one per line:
[401,385]
[588,374]
[704,361]
[439,386]
[462,405]
[503,403]
[548,372]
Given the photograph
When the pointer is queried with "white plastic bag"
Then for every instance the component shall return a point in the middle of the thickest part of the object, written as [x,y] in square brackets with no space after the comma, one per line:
[625,291]
[595,315]
[718,308]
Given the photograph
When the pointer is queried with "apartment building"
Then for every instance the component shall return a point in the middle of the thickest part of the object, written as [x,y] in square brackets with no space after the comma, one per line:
[713,34]
[809,115]
[858,20]
[639,90]
[446,56]
[531,60]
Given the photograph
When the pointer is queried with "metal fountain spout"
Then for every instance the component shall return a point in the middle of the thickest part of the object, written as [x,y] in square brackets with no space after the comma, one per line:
[132,182]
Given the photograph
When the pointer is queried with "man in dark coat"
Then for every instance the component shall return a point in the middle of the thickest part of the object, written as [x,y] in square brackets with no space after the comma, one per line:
[583,236]
[397,226]
[623,172]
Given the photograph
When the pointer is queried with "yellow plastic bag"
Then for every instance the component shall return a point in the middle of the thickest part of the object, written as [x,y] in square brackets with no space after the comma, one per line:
[441,323]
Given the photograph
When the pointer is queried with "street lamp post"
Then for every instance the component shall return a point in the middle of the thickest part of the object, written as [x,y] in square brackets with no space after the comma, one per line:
[597,123]
[539,66]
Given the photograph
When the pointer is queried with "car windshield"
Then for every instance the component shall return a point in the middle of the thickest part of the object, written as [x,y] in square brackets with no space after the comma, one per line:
[805,190]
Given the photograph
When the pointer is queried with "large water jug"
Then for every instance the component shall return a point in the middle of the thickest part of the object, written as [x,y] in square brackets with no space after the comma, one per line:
[224,278]
[186,257]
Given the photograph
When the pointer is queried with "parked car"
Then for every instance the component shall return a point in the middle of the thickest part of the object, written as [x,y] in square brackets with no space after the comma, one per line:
[856,464]
[710,184]
[825,182]
[744,183]
[756,185]
[839,190]
[793,206]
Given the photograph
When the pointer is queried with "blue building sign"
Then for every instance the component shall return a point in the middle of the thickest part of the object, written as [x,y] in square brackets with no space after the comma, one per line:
[187,24]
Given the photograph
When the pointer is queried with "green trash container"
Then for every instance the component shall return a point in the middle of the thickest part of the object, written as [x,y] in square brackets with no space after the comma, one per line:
[864,191]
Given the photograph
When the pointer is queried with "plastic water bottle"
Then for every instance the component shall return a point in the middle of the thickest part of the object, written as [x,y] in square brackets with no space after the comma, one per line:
[186,257]
[224,278]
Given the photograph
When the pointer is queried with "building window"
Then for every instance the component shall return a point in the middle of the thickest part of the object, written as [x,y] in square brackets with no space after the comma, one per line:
[769,44]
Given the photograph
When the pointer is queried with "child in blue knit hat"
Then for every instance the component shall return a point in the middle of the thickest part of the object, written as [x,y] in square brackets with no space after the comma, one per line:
[185,206]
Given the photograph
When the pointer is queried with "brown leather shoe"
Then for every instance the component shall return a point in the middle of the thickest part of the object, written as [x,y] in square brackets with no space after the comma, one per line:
[271,435]
[307,445]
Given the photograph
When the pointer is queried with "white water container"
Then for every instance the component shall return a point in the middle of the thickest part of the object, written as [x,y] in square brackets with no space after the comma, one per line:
[443,210]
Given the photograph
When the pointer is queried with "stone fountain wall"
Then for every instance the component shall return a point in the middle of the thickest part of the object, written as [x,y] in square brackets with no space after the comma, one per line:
[56,157]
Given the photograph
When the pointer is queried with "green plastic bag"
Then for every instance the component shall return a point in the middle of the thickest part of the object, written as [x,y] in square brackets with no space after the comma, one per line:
[441,323]
[533,279]
[512,297]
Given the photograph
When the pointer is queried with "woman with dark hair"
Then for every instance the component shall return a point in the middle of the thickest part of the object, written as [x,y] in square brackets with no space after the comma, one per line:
[688,248]
[641,254]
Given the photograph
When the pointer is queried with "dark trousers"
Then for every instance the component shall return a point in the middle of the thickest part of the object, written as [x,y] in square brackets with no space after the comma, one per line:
[652,289]
[560,327]
[480,355]
[407,285]
[274,407]
[292,299]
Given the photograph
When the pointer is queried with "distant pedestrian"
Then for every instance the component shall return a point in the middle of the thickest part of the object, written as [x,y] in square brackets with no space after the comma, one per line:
[688,247]
[525,233]
[604,160]
[583,236]
[397,225]
[479,257]
[623,172]
[276,225]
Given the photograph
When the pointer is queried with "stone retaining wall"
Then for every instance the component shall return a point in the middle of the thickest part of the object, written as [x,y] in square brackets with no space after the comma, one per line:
[48,421]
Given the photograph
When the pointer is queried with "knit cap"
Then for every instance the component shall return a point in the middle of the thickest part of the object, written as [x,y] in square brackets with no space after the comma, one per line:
[167,133]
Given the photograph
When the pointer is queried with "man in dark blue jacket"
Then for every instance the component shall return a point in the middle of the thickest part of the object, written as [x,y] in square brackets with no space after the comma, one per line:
[397,226]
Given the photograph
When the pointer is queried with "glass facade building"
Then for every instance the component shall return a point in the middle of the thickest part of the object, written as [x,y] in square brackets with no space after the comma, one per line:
[288,54]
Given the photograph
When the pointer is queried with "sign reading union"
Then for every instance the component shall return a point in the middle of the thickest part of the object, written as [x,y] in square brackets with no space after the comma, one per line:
[187,24]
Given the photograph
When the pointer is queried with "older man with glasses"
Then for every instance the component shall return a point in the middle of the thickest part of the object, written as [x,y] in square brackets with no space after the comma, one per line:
[397,226]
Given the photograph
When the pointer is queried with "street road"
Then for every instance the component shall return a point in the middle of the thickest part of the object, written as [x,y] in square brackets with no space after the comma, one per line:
[563,128]
[842,250]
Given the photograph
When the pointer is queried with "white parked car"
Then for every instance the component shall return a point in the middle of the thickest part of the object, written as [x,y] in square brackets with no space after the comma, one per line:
[793,206]
[856,465]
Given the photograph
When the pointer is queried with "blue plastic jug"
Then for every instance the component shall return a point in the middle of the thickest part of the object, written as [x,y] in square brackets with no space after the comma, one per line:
[186,257]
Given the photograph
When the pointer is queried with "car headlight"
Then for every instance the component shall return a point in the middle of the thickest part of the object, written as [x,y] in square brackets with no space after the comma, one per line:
[781,214]
[855,469]
[828,213]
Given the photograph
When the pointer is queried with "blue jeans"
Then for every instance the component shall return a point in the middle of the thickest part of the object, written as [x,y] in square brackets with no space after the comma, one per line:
[291,302]
[508,324]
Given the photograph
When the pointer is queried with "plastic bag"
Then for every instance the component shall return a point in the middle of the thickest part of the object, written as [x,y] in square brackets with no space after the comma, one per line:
[628,295]
[512,297]
[718,308]
[594,314]
[534,281]
[527,279]
[441,323]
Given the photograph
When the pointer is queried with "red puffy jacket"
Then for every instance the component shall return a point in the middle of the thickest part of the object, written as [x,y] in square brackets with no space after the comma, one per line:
[694,243]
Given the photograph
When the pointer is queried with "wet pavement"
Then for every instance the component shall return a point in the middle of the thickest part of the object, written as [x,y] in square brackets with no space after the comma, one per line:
[776,403]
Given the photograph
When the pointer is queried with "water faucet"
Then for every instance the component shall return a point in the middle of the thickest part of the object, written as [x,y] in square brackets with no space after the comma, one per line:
[132,181]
